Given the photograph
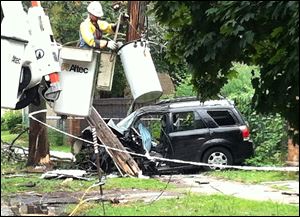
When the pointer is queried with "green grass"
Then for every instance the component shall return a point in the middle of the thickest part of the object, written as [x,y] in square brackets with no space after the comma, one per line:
[280,187]
[254,176]
[7,137]
[16,184]
[192,205]
[55,140]
[62,148]
[10,167]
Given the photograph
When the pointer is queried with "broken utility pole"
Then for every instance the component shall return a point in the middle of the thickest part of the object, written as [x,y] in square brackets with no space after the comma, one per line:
[108,138]
[38,152]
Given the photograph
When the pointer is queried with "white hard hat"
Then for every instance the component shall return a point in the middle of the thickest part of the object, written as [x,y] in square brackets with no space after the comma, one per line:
[95,9]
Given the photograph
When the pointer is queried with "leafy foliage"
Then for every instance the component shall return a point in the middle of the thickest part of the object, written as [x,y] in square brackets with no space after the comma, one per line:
[185,88]
[268,132]
[210,35]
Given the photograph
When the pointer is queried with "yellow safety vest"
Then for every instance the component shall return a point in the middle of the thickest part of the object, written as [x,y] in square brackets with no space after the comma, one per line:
[87,32]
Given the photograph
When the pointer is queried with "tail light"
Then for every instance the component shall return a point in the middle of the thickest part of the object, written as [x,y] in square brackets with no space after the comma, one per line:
[245,132]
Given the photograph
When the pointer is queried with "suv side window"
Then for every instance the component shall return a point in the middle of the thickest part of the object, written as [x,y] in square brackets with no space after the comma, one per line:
[222,117]
[187,121]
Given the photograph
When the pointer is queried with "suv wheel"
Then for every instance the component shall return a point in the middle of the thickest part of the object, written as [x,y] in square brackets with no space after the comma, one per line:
[217,155]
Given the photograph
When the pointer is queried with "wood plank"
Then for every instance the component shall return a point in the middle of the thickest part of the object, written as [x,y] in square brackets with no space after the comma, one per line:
[123,160]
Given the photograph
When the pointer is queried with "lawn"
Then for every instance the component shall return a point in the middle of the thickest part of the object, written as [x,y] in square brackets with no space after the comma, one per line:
[254,177]
[188,204]
[18,184]
[191,205]
[56,141]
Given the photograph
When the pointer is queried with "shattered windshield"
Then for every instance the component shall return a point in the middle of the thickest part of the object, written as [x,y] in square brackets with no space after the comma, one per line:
[126,122]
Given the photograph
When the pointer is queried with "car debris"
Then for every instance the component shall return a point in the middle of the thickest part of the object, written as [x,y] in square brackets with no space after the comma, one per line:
[59,174]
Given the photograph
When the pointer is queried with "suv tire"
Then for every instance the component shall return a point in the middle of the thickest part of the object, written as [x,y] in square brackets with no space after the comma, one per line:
[217,155]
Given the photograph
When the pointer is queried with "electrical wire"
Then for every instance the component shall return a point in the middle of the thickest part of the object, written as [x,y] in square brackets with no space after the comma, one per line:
[81,201]
[163,191]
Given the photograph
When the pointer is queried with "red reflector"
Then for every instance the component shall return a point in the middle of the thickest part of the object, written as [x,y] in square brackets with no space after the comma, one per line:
[245,132]
[54,77]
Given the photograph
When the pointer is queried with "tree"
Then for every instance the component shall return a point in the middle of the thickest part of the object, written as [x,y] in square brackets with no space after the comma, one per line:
[210,35]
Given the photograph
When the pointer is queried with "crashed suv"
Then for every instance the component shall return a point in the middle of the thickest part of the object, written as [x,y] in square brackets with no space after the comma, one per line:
[210,132]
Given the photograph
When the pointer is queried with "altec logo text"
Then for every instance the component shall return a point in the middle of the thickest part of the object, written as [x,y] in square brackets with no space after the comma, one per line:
[79,69]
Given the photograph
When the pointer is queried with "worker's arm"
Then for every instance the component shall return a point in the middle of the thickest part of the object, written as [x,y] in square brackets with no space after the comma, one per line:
[106,27]
[109,28]
[88,37]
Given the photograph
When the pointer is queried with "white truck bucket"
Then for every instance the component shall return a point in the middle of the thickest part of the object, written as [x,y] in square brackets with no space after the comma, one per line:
[77,80]
[14,39]
[140,71]
[12,53]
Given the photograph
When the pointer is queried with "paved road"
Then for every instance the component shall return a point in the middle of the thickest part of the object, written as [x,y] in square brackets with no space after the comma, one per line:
[263,191]
[5,209]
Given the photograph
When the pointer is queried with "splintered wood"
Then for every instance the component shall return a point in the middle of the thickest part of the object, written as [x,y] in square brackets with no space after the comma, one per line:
[124,161]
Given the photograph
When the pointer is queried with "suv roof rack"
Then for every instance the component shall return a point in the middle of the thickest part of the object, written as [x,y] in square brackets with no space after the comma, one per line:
[178,99]
[177,102]
[223,102]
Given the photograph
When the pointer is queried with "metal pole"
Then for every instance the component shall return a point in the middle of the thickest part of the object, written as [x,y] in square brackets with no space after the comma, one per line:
[96,150]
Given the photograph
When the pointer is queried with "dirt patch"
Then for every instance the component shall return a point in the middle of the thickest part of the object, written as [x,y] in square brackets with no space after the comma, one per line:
[53,204]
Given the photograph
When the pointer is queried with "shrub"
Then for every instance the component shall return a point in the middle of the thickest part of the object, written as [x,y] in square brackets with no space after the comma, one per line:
[3,125]
[267,131]
[11,120]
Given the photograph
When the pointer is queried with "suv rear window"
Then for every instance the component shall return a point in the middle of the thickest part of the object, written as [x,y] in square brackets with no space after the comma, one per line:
[222,118]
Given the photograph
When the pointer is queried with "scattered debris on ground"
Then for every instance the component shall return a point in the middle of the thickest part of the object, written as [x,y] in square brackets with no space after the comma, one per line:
[59,174]
[53,204]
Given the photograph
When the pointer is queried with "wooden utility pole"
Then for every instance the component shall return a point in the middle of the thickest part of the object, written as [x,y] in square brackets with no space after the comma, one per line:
[38,153]
[123,160]
[136,11]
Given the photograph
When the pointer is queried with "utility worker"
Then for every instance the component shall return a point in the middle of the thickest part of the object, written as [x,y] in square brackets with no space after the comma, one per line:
[92,29]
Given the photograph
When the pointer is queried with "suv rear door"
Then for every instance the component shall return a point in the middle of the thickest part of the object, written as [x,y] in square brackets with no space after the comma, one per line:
[226,127]
[188,133]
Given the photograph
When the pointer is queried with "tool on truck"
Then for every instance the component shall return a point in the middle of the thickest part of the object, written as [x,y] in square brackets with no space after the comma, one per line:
[33,65]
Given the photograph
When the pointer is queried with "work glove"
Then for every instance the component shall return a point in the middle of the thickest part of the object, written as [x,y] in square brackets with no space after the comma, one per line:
[112,45]
[120,44]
